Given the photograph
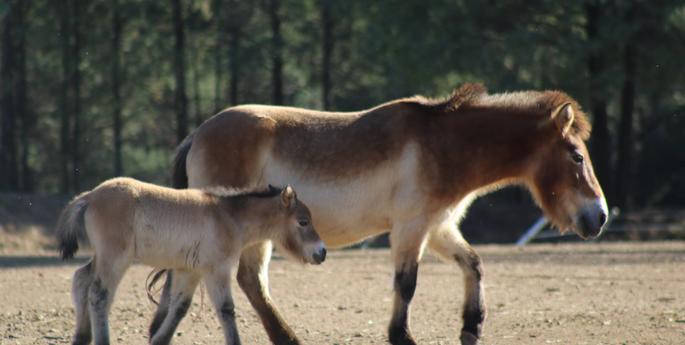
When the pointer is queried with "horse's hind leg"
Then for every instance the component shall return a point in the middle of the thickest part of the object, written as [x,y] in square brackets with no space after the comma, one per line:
[253,278]
[447,242]
[407,245]
[79,293]
[163,306]
[180,294]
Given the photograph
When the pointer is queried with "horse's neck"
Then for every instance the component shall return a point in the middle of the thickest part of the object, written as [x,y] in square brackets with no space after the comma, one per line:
[488,149]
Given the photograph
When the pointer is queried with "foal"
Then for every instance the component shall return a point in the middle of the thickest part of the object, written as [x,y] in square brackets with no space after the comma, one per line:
[198,233]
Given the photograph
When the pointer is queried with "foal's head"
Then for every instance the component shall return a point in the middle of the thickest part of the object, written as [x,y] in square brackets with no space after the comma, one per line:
[297,237]
[561,175]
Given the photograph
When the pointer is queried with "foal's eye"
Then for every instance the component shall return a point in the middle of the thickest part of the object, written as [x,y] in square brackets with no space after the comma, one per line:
[303,222]
[577,157]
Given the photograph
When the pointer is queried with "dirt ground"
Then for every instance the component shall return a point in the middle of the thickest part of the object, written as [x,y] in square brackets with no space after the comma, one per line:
[621,293]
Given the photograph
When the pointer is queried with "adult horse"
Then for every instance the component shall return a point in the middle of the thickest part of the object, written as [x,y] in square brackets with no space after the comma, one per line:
[411,167]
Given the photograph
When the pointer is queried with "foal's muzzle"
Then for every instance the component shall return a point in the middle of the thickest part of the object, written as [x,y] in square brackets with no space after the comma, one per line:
[591,218]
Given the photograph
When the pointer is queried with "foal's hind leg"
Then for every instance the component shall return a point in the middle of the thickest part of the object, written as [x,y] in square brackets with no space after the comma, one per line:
[79,293]
[106,278]
[447,242]
[163,306]
[253,278]
[183,285]
[407,244]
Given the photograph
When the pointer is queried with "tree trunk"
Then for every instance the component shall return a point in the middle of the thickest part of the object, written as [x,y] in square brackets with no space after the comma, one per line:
[180,99]
[277,52]
[626,144]
[218,61]
[65,119]
[197,119]
[76,93]
[9,180]
[601,141]
[327,28]
[234,56]
[26,118]
[116,88]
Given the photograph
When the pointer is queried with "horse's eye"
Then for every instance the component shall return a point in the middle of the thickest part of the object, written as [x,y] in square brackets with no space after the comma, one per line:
[303,222]
[577,157]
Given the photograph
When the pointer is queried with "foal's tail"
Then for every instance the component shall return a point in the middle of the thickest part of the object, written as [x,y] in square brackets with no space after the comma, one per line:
[179,176]
[70,225]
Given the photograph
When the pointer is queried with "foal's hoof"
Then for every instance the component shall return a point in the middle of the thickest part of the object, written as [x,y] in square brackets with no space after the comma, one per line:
[469,339]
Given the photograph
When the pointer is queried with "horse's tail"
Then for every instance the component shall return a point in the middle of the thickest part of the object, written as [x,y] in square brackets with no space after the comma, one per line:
[179,176]
[70,225]
[151,281]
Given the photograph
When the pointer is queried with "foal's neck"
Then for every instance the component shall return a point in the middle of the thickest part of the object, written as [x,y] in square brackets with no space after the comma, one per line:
[253,217]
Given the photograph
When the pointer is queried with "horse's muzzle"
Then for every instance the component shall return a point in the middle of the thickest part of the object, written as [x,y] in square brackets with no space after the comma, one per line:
[319,256]
[592,218]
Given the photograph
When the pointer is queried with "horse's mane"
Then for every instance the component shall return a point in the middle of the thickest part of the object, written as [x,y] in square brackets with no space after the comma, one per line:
[541,103]
[225,192]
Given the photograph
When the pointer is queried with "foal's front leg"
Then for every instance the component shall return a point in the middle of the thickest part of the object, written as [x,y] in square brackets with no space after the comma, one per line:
[219,291]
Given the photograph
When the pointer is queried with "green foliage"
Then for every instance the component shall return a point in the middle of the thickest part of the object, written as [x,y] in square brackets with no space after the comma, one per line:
[381,50]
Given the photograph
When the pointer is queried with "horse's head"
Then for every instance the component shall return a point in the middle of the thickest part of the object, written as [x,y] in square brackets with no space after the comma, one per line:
[299,239]
[562,179]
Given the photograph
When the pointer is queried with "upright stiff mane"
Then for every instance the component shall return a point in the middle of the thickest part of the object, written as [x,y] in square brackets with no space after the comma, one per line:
[541,103]
[232,193]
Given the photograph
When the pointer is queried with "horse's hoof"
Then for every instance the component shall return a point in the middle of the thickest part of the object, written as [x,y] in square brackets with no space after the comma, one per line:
[469,339]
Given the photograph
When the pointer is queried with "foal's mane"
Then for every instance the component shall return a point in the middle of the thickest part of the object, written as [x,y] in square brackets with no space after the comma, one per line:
[232,193]
[541,103]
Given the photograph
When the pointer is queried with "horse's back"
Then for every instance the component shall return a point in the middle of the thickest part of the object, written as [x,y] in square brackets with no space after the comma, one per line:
[232,147]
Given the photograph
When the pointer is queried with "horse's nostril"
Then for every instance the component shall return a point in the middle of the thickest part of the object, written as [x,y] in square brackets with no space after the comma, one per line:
[319,256]
[602,218]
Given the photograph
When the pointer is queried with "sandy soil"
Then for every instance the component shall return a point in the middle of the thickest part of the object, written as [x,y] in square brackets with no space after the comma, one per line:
[541,294]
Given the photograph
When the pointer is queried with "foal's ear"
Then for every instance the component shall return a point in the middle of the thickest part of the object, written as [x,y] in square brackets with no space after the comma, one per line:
[288,197]
[563,117]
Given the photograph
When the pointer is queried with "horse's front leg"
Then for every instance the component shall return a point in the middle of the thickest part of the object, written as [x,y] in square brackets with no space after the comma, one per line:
[220,293]
[407,243]
[253,278]
[447,242]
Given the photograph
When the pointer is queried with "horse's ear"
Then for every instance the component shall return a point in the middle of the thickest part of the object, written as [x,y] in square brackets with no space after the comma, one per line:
[563,117]
[288,197]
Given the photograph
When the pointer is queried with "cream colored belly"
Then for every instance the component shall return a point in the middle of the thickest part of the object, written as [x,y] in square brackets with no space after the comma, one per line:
[350,209]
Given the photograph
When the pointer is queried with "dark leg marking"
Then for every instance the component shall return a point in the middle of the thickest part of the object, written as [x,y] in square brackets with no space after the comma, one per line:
[98,295]
[180,312]
[474,309]
[405,281]
[162,308]
[81,285]
[227,311]
[82,339]
[98,302]
[405,287]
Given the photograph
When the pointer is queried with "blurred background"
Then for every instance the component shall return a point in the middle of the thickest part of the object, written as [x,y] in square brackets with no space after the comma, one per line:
[96,89]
